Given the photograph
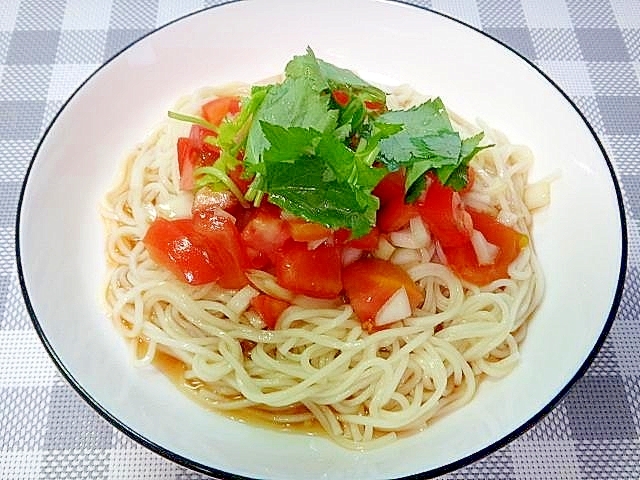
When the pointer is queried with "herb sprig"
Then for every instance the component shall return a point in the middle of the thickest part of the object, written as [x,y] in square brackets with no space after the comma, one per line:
[320,158]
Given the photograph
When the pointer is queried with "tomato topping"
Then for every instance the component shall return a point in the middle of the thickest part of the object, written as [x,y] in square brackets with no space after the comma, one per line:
[375,106]
[264,234]
[186,162]
[303,231]
[225,248]
[367,242]
[316,273]
[463,261]
[269,308]
[215,110]
[390,187]
[443,212]
[341,97]
[393,213]
[194,152]
[370,282]
[175,245]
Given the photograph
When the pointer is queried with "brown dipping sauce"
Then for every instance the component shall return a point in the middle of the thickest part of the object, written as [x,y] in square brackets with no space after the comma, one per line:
[175,369]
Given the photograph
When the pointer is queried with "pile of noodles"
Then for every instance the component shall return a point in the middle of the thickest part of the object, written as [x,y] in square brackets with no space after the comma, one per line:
[318,367]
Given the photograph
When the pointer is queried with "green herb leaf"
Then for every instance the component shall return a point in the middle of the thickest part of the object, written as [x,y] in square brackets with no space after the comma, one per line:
[315,176]
[457,176]
[324,75]
[293,103]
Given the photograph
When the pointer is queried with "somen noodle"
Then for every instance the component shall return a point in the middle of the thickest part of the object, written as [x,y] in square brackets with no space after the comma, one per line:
[319,369]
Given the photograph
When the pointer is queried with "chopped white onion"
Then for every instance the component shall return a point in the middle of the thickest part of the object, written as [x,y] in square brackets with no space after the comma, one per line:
[385,249]
[350,255]
[485,252]
[177,206]
[404,256]
[403,238]
[241,300]
[420,233]
[537,195]
[396,308]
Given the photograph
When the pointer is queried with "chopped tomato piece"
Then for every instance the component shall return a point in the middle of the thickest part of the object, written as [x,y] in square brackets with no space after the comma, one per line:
[366,242]
[370,282]
[510,241]
[316,273]
[186,162]
[175,245]
[463,261]
[223,241]
[390,187]
[443,212]
[394,213]
[303,231]
[269,308]
[215,110]
[265,233]
[341,97]
[194,152]
[375,106]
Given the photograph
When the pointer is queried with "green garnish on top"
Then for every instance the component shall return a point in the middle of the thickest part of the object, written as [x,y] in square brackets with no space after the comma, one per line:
[319,142]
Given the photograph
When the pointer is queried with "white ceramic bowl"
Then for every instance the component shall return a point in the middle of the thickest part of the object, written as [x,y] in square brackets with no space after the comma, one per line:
[580,238]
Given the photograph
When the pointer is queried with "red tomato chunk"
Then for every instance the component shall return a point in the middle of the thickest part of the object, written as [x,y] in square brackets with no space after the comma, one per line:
[175,245]
[370,282]
[201,250]
[462,258]
[269,308]
[316,272]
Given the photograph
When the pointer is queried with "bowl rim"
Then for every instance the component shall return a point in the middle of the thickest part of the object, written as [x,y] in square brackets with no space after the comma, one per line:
[434,472]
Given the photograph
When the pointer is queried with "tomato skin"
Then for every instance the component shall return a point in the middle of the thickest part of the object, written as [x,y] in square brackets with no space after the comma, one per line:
[194,152]
[215,110]
[303,231]
[223,242]
[390,187]
[375,106]
[510,241]
[442,211]
[394,213]
[186,162]
[316,273]
[175,245]
[370,282]
[341,97]
[265,233]
[269,308]
[463,261]
[367,242]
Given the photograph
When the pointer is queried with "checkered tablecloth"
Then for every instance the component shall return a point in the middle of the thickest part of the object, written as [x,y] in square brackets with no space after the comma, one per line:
[591,48]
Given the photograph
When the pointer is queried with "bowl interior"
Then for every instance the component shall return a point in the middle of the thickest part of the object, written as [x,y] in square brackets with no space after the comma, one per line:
[579,238]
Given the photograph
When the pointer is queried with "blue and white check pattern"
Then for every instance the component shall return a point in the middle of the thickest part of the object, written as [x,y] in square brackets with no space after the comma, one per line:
[591,48]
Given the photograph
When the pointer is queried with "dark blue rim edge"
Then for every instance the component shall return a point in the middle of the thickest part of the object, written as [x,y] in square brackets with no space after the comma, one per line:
[222,475]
